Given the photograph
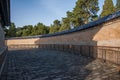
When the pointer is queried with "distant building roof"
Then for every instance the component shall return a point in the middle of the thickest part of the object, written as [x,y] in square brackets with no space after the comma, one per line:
[5,12]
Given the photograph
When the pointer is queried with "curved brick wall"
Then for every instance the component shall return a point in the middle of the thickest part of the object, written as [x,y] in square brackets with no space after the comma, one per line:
[98,41]
[106,34]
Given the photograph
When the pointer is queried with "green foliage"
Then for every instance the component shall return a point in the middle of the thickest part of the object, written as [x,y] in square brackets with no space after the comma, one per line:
[39,29]
[18,31]
[27,30]
[55,27]
[118,5]
[6,32]
[65,24]
[47,29]
[56,23]
[66,21]
[84,11]
[12,30]
[108,8]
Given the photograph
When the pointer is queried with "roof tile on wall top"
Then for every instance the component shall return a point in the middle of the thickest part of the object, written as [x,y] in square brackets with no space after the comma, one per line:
[86,26]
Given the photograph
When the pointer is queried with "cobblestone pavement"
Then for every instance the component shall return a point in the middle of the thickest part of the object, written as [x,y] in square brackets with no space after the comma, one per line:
[55,65]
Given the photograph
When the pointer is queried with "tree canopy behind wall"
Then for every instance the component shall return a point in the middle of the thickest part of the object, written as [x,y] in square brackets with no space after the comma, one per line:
[108,8]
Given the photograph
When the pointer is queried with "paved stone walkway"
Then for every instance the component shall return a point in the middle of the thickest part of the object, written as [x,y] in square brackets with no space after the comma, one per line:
[55,65]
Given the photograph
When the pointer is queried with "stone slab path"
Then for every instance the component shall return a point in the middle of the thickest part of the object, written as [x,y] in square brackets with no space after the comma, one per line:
[36,64]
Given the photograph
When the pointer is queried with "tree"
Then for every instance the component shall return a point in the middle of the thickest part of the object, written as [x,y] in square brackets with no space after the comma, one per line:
[12,30]
[118,5]
[55,27]
[47,29]
[6,32]
[56,23]
[108,8]
[40,29]
[84,11]
[27,30]
[65,24]
[18,31]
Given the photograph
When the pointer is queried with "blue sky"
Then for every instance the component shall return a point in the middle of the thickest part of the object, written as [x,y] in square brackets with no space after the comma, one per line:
[25,12]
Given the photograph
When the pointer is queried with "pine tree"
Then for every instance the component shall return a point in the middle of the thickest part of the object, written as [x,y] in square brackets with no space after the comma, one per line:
[55,27]
[40,29]
[12,30]
[118,5]
[65,24]
[66,21]
[108,8]
[26,30]
[84,11]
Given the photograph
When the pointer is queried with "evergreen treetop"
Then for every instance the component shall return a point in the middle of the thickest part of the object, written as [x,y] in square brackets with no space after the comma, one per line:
[108,8]
[118,5]
[84,11]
